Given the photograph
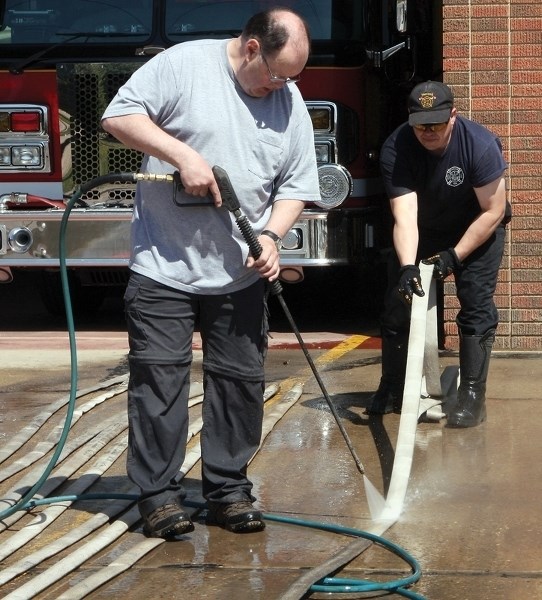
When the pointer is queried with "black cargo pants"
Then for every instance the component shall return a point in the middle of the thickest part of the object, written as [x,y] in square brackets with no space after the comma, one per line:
[233,328]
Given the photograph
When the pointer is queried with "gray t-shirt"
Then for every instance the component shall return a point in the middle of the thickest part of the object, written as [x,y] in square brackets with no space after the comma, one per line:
[265,144]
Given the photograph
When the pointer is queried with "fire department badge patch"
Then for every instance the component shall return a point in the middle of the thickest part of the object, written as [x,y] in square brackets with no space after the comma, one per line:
[455,176]
[427,99]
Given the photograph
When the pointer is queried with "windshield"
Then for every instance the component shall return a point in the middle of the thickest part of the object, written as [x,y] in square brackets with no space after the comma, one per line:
[63,21]
[327,19]
[118,22]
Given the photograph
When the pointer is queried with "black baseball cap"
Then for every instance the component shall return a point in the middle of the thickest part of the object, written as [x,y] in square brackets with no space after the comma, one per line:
[430,102]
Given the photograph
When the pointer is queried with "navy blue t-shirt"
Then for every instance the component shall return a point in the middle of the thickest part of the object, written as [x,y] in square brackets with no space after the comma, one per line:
[447,204]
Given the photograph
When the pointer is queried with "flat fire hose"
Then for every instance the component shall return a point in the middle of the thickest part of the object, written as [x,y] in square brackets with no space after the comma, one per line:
[422,351]
[423,394]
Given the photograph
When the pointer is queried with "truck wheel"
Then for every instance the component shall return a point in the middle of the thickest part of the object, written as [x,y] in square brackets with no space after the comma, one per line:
[85,300]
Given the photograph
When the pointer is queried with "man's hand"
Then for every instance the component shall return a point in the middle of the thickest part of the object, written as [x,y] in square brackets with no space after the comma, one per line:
[410,282]
[445,262]
[198,179]
[268,263]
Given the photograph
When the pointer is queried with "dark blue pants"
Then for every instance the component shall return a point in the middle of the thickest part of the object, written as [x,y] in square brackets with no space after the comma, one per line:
[475,284]
[233,327]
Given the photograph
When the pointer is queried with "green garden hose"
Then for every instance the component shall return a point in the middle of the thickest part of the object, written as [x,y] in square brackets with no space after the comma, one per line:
[26,502]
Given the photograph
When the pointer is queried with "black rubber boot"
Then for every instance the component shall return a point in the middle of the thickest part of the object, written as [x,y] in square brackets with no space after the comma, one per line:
[389,395]
[474,355]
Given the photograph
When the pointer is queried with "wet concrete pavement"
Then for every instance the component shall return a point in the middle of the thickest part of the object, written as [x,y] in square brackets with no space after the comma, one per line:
[471,513]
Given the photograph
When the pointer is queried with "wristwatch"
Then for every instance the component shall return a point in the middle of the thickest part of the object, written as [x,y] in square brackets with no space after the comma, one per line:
[274,237]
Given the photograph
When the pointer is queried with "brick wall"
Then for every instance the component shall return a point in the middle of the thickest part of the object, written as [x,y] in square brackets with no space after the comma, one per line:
[492,59]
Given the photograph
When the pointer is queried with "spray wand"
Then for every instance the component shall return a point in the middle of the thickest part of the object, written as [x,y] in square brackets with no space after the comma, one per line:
[231,202]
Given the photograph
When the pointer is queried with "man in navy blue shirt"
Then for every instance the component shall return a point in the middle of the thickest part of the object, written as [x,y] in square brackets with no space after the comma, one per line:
[444,175]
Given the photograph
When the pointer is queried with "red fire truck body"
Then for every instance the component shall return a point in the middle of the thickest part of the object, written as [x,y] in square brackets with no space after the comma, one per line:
[61,64]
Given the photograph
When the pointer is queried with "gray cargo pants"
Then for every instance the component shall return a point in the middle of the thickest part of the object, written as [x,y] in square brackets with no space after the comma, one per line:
[233,327]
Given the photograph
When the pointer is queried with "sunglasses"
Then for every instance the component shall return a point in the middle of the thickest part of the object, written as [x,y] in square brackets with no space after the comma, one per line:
[431,126]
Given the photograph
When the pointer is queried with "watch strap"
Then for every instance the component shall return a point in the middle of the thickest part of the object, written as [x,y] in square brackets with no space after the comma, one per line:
[277,239]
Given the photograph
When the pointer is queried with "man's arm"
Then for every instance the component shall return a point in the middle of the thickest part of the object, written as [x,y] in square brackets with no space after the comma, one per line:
[405,240]
[492,200]
[284,214]
[405,229]
[138,131]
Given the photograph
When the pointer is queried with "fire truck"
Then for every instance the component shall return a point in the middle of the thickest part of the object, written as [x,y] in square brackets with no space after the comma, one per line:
[62,62]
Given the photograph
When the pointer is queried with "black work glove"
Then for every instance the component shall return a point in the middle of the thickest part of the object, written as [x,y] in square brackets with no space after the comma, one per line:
[445,262]
[410,282]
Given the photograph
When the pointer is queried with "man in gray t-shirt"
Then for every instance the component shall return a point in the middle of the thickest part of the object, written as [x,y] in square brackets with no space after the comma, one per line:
[230,103]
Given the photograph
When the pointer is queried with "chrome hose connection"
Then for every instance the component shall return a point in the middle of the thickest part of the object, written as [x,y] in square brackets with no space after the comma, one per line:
[13,198]
[156,177]
[20,239]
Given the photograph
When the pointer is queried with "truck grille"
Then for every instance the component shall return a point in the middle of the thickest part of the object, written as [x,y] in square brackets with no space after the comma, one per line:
[85,90]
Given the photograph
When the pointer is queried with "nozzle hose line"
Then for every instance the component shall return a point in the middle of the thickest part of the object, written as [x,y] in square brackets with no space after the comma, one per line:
[231,202]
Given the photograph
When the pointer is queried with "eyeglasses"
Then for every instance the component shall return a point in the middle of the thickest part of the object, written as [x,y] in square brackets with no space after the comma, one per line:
[275,78]
[432,126]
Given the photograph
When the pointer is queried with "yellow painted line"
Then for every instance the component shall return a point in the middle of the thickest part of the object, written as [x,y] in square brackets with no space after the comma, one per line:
[341,349]
[338,351]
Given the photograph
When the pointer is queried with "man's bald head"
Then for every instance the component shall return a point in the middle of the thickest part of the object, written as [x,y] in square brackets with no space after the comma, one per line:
[277,27]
